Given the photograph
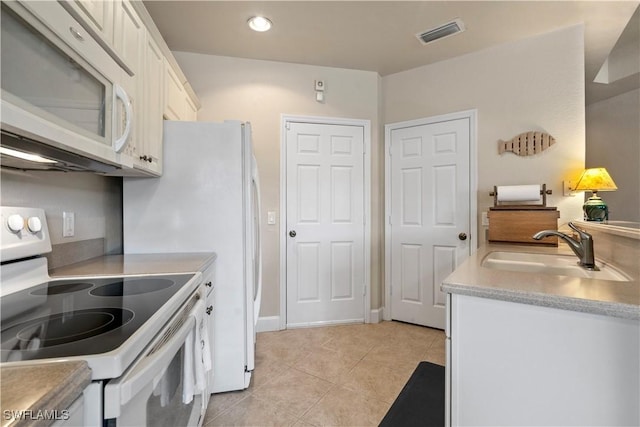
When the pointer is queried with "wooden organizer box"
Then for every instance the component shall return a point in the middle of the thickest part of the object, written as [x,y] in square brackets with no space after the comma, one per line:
[517,223]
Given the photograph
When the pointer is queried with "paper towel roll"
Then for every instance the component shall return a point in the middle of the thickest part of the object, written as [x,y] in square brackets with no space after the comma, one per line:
[519,193]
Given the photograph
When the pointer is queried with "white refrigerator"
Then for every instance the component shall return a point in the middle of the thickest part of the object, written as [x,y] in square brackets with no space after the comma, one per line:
[207,200]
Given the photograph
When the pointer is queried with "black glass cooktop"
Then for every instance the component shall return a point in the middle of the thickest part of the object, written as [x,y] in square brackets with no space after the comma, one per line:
[63,318]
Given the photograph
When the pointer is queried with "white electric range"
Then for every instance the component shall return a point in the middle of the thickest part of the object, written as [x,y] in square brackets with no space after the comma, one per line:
[143,336]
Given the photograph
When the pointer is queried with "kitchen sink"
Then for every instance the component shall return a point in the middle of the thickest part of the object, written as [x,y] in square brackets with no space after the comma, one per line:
[559,265]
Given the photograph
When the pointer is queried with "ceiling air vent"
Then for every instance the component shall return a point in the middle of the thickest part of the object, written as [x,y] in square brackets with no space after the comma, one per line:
[446,30]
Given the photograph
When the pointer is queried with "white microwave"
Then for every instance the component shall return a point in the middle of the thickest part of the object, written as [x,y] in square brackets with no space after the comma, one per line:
[59,86]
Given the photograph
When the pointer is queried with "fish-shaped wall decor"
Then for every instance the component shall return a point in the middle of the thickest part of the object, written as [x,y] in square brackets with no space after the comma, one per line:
[527,143]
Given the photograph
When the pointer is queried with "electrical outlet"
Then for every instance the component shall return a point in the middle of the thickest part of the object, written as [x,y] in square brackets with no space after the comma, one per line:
[567,189]
[68,224]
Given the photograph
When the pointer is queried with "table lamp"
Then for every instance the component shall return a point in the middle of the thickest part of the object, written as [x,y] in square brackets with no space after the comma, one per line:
[594,180]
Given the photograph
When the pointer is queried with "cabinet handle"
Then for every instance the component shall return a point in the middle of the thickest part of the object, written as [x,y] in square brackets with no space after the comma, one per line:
[75,33]
[209,309]
[208,284]
[143,157]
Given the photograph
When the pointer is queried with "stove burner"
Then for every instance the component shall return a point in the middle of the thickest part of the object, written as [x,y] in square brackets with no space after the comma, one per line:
[132,287]
[62,288]
[63,328]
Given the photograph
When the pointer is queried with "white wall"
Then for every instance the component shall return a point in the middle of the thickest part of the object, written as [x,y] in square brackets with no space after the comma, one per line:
[532,84]
[613,142]
[260,92]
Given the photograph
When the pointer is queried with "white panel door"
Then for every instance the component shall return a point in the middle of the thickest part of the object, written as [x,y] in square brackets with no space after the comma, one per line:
[429,216]
[325,224]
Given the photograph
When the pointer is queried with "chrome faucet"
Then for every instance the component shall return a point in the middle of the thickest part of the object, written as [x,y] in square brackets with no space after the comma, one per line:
[583,248]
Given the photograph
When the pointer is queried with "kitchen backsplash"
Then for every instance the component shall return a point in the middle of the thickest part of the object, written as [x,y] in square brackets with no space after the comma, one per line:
[95,200]
[72,252]
[619,246]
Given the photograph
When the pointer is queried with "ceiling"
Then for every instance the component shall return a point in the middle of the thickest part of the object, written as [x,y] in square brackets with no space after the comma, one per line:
[380,35]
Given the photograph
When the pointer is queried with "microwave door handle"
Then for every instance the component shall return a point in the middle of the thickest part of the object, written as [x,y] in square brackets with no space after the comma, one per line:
[145,371]
[121,94]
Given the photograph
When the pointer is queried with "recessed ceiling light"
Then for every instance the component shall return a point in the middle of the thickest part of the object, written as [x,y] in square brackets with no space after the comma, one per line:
[259,23]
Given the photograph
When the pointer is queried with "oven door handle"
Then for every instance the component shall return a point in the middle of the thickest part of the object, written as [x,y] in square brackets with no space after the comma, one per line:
[148,370]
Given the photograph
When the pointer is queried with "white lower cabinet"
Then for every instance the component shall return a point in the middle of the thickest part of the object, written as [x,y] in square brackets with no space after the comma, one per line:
[85,411]
[517,364]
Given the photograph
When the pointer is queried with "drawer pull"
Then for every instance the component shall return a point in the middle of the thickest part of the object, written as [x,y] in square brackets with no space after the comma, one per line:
[209,309]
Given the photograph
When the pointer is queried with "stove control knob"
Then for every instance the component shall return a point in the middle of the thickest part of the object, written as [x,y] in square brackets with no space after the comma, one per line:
[34,224]
[15,223]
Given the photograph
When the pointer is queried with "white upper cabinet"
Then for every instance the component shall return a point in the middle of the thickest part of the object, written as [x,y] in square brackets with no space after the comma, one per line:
[141,83]
[128,41]
[178,103]
[153,91]
[129,31]
[98,14]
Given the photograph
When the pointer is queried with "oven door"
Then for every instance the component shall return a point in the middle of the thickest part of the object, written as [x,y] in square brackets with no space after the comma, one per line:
[161,388]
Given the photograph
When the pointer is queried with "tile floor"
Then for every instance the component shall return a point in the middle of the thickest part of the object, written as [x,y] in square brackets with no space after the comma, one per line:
[345,375]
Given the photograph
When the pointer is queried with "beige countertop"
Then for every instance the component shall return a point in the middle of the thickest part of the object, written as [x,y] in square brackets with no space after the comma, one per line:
[49,386]
[604,297]
[134,264]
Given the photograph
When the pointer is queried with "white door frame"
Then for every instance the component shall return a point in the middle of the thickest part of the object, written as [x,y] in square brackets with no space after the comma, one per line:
[473,189]
[366,125]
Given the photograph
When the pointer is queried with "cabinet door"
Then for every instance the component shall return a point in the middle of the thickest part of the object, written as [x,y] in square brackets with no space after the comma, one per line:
[178,103]
[98,14]
[191,113]
[153,105]
[128,39]
[516,364]
[174,95]
[129,44]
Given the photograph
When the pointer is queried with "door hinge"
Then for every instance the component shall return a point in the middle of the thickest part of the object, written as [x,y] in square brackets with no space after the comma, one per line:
[364,290]
[390,222]
[287,125]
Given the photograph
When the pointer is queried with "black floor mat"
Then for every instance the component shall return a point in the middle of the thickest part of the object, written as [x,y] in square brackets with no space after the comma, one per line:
[421,401]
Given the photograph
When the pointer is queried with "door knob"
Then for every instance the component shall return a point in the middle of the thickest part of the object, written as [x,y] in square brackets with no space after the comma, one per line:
[462,236]
[292,233]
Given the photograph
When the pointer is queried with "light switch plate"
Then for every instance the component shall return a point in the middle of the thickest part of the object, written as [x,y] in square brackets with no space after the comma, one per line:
[271,217]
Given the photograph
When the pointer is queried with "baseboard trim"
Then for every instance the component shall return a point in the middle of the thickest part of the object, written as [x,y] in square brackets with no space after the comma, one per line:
[272,323]
[376,315]
[268,324]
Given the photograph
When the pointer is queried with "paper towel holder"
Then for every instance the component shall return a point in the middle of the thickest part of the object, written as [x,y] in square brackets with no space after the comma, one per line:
[542,204]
